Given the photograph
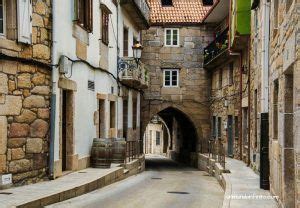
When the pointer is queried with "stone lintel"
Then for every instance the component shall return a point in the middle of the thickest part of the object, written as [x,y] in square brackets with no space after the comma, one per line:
[67,84]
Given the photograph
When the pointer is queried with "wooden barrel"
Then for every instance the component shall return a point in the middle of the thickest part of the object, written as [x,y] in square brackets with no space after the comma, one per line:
[101,153]
[118,150]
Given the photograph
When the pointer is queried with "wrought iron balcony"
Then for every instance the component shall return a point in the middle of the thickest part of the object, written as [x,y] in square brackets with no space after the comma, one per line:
[216,48]
[133,74]
[139,10]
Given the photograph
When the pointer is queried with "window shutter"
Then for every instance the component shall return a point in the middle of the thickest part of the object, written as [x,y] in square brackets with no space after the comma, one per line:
[75,10]
[90,18]
[11,20]
[24,21]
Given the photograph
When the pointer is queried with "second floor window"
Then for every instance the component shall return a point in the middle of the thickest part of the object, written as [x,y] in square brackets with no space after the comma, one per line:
[220,78]
[157,138]
[85,14]
[219,127]
[231,73]
[171,37]
[105,21]
[171,77]
[125,42]
[2,15]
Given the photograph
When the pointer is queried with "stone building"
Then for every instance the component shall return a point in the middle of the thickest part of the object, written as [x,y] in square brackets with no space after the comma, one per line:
[25,86]
[77,58]
[284,113]
[98,82]
[156,138]
[178,92]
[259,90]
[226,61]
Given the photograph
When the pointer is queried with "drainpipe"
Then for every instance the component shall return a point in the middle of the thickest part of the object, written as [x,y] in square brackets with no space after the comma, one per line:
[240,54]
[53,92]
[241,106]
[249,101]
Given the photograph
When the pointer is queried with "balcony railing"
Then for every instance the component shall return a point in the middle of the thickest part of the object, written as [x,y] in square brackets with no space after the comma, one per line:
[133,74]
[140,11]
[216,151]
[215,48]
[133,150]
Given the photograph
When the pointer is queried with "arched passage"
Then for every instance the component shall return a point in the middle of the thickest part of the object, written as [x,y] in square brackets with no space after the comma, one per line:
[182,137]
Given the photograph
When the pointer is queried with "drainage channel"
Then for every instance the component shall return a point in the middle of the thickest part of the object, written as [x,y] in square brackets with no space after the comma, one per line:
[177,192]
[5,193]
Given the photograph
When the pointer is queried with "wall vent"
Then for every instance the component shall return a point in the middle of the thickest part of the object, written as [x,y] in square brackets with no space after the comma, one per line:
[91,85]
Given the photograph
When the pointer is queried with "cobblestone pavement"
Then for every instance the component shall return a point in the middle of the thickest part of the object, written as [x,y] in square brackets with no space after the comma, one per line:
[164,184]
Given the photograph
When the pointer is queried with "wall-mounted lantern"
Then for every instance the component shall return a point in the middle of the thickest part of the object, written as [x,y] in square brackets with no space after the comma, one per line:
[137,52]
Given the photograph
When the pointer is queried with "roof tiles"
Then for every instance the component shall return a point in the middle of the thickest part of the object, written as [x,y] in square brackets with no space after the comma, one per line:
[182,12]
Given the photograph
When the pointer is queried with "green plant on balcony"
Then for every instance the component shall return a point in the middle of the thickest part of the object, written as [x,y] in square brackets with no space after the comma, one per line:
[224,45]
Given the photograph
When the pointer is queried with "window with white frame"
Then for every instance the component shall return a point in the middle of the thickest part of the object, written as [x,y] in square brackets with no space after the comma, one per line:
[171,77]
[171,37]
[2,17]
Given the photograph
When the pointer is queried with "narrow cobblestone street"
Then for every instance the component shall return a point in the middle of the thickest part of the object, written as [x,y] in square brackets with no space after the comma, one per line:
[150,103]
[163,184]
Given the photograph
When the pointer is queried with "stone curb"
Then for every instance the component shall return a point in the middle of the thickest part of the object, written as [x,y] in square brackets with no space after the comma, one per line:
[76,191]
[62,195]
[228,190]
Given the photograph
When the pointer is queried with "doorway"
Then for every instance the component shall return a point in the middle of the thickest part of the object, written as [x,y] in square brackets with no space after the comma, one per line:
[125,118]
[101,110]
[67,134]
[230,136]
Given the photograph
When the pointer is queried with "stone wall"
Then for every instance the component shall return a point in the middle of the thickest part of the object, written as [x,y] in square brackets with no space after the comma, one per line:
[285,70]
[255,88]
[225,100]
[191,97]
[25,99]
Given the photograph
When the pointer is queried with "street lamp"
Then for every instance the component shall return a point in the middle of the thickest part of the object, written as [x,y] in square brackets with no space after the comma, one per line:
[137,51]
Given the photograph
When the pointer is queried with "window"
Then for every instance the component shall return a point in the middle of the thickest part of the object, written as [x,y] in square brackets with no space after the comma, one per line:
[275,13]
[85,14]
[157,138]
[220,78]
[231,73]
[2,17]
[125,42]
[166,3]
[219,127]
[150,134]
[171,37]
[171,77]
[134,111]
[214,127]
[105,21]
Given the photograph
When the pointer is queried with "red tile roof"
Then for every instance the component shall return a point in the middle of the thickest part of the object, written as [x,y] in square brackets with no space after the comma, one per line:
[182,12]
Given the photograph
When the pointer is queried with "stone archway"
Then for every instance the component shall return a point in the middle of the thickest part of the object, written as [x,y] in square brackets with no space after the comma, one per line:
[190,113]
[199,117]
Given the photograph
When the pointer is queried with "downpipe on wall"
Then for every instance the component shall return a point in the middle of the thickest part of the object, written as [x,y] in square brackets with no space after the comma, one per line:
[249,101]
[53,93]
